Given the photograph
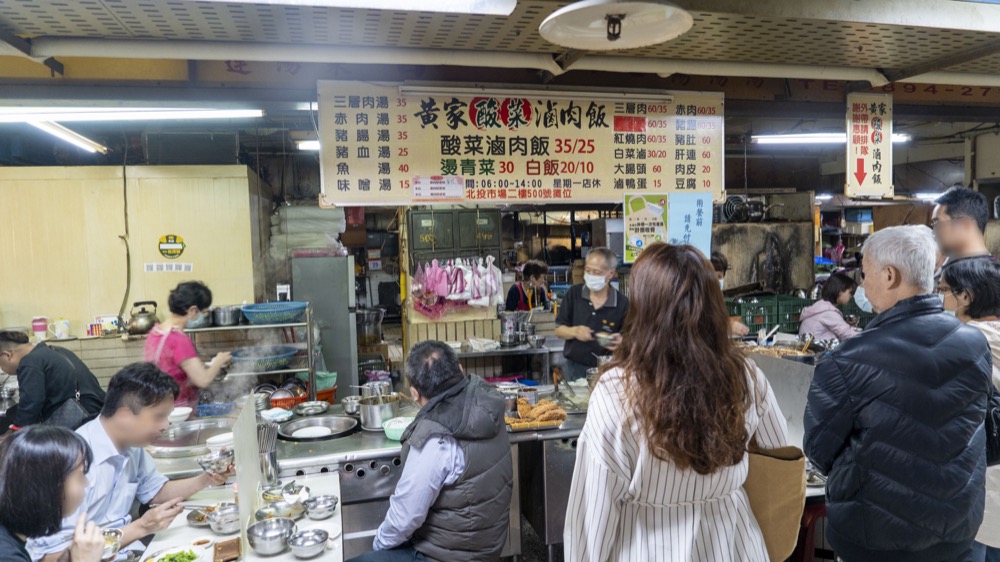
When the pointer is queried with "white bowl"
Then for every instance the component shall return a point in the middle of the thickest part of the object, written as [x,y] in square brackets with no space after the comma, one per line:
[220,442]
[180,414]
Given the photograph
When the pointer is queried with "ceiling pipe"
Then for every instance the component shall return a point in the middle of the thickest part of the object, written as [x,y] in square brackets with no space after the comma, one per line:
[225,50]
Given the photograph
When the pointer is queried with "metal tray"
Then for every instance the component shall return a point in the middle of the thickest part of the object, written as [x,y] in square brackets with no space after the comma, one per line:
[340,425]
[187,439]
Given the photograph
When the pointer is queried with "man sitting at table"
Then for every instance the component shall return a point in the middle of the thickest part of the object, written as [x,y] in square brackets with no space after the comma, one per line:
[452,501]
[139,400]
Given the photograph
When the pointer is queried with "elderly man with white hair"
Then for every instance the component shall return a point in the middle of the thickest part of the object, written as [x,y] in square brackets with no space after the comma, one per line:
[895,417]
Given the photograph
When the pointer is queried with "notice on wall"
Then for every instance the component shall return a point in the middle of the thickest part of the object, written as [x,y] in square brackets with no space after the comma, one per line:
[869,145]
[378,140]
[676,218]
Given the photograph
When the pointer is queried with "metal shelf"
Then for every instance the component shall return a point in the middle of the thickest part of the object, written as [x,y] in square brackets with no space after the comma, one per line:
[247,327]
[266,373]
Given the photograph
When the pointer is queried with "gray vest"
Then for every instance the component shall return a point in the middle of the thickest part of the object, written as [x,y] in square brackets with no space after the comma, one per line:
[469,519]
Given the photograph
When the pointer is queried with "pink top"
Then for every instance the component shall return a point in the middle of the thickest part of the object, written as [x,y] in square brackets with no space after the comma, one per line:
[168,350]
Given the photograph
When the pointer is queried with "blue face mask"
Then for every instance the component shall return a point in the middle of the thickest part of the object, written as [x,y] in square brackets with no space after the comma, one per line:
[862,301]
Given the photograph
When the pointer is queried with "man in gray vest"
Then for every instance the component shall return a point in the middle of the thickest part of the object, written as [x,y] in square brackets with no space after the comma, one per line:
[452,501]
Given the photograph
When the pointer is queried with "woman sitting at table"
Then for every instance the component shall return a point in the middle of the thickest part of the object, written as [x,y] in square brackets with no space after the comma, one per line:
[43,479]
[529,293]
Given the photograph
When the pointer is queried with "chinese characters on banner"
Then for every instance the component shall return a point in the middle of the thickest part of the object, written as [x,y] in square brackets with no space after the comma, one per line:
[378,143]
[677,218]
[869,145]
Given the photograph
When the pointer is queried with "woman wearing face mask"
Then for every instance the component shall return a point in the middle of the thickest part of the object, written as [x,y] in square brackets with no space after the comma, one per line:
[43,479]
[529,294]
[588,310]
[173,351]
[970,288]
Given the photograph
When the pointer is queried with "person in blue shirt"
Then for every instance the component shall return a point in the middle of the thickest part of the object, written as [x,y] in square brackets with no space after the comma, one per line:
[43,477]
[139,401]
[452,501]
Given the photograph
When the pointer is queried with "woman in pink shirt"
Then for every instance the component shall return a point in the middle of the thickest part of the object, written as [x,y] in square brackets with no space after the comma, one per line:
[173,351]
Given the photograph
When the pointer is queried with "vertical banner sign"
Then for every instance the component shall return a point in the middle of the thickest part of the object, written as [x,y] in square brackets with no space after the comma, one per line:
[869,145]
[380,142]
[677,218]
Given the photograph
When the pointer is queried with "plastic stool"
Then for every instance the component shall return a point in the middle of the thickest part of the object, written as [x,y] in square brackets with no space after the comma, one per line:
[805,549]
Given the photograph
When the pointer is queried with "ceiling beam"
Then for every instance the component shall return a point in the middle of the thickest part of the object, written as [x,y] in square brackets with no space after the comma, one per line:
[941,63]
[14,45]
[932,14]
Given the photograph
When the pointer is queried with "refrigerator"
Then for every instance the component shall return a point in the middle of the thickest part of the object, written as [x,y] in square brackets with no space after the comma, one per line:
[327,283]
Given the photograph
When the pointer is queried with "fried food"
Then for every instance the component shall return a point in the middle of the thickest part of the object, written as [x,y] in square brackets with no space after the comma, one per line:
[545,410]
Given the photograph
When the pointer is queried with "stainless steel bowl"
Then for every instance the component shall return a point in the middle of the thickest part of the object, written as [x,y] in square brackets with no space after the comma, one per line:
[308,544]
[312,408]
[230,315]
[351,405]
[377,410]
[112,543]
[536,341]
[217,462]
[270,537]
[281,510]
[604,339]
[225,520]
[321,507]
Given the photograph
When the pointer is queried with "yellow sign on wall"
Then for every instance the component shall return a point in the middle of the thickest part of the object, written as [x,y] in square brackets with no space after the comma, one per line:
[171,246]
[380,141]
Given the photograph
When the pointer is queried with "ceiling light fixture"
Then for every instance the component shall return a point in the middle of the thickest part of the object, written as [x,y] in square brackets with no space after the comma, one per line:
[815,138]
[824,197]
[607,25]
[484,7]
[307,145]
[927,196]
[66,115]
[72,137]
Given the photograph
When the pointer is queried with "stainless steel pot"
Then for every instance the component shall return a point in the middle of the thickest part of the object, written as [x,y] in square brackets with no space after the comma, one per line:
[229,315]
[376,410]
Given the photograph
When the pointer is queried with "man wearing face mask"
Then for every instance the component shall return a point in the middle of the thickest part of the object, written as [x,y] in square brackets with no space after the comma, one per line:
[173,351]
[590,309]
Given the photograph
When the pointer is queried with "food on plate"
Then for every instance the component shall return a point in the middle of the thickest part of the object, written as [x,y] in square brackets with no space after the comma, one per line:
[202,542]
[110,540]
[201,515]
[185,556]
[775,351]
[544,411]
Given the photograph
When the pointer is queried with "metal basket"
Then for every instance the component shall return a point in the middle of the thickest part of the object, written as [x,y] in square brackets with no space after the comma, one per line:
[262,358]
[275,312]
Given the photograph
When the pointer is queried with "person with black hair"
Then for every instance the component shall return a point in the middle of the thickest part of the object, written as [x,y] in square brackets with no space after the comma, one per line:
[823,319]
[971,290]
[959,222]
[173,351]
[140,399]
[452,501]
[43,478]
[721,266]
[529,293]
[48,378]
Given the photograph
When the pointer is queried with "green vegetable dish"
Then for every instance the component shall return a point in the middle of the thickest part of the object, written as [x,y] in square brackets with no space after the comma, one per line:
[186,556]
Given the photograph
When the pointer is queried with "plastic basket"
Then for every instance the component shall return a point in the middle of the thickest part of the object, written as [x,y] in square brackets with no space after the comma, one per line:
[218,409]
[274,312]
[258,359]
[328,395]
[770,311]
[790,313]
[288,403]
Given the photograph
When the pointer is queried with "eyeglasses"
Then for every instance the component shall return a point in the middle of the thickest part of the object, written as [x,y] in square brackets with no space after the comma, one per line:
[936,223]
[943,290]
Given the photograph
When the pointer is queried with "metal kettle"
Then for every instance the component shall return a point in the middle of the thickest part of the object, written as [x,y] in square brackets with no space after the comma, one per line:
[142,322]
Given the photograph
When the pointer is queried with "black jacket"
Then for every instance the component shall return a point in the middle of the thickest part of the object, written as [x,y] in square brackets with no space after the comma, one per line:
[47,377]
[895,418]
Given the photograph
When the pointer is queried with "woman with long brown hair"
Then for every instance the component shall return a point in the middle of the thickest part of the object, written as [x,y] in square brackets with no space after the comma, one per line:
[662,458]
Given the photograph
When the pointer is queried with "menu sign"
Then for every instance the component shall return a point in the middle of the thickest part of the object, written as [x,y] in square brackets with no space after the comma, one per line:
[869,145]
[379,141]
[677,218]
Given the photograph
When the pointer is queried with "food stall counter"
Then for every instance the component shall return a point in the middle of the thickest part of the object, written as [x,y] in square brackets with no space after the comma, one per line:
[182,535]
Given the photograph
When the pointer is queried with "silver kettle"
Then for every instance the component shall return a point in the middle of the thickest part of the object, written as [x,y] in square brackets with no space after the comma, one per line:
[142,322]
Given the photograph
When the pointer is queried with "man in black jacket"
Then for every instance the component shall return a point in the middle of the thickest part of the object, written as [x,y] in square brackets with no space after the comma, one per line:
[895,417]
[46,378]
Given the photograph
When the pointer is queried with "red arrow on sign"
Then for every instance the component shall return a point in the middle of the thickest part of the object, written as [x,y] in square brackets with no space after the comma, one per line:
[860,174]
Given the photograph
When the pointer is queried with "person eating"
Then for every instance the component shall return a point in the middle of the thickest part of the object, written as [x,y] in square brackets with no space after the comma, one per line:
[170,349]
[721,266]
[589,310]
[140,399]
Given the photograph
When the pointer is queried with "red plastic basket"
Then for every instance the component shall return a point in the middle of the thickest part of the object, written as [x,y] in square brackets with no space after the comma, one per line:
[288,403]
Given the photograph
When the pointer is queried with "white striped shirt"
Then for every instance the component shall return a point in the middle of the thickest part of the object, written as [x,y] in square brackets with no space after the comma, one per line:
[627,505]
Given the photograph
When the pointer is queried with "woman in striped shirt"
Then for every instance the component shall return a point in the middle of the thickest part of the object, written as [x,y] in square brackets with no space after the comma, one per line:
[662,458]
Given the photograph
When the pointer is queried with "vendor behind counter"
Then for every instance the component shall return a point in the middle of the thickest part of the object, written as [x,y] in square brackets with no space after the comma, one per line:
[588,310]
[530,293]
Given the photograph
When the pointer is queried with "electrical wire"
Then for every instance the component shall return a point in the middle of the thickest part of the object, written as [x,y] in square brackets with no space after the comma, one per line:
[128,250]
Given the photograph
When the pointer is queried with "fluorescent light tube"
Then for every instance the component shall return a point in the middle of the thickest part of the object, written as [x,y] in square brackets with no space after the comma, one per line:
[74,138]
[307,145]
[485,7]
[815,138]
[68,115]
[824,197]
[927,196]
